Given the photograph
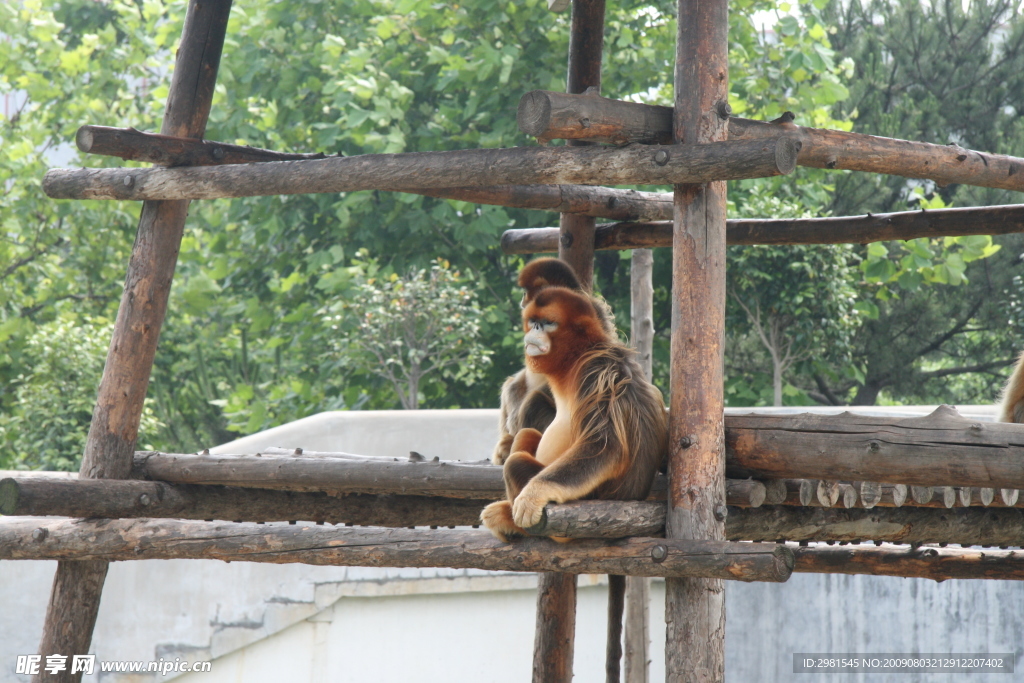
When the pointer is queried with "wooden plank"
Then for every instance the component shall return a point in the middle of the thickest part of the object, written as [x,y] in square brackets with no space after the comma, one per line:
[550,115]
[902,225]
[431,170]
[695,608]
[938,564]
[110,499]
[75,597]
[941,449]
[141,539]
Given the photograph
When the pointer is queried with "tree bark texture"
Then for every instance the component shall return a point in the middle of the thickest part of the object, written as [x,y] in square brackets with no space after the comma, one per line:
[75,598]
[556,627]
[638,590]
[940,449]
[965,526]
[109,499]
[549,115]
[432,170]
[167,150]
[695,608]
[345,473]
[141,539]
[616,608]
[938,564]
[586,46]
[903,225]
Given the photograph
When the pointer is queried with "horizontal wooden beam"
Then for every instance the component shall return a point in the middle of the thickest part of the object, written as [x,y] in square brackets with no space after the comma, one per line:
[114,499]
[938,564]
[59,539]
[550,115]
[965,526]
[940,449]
[168,150]
[346,473]
[902,225]
[663,165]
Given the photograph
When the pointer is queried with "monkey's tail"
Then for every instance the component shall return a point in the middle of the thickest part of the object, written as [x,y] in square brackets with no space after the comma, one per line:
[1011,408]
[616,607]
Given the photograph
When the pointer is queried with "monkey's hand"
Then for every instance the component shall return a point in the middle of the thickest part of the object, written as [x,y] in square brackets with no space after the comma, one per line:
[528,507]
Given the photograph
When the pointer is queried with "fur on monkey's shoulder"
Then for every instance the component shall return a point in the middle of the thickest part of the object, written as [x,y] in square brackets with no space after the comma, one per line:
[617,409]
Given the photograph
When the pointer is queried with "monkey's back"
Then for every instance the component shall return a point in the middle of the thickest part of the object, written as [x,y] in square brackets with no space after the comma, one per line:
[621,415]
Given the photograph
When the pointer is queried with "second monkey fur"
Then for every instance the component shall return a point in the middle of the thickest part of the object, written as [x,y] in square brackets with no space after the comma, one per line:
[609,433]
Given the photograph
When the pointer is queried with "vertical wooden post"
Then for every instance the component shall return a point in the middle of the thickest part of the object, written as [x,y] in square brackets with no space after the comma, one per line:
[75,597]
[556,594]
[613,649]
[556,628]
[586,42]
[695,608]
[638,588]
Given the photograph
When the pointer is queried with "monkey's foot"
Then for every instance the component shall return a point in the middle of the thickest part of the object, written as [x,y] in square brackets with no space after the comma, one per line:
[497,517]
[528,507]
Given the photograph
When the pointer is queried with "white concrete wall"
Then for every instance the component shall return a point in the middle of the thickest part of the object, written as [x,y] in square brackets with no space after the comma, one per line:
[303,623]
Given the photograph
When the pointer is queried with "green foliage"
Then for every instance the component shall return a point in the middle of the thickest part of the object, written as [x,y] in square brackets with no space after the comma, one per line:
[55,396]
[411,330]
[797,301]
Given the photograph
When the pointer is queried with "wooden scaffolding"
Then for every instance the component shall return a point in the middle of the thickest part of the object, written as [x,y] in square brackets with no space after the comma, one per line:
[786,474]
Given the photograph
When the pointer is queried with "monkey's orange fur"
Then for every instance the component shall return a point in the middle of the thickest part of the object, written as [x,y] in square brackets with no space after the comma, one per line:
[610,431]
[526,399]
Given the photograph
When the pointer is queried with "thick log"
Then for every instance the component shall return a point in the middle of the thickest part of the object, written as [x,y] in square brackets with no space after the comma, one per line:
[554,637]
[170,150]
[941,449]
[112,540]
[346,473]
[967,526]
[602,519]
[115,499]
[75,597]
[550,115]
[902,225]
[430,170]
[695,608]
[938,564]
[584,117]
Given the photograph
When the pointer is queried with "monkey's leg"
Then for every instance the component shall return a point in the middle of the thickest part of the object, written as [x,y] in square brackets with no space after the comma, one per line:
[519,469]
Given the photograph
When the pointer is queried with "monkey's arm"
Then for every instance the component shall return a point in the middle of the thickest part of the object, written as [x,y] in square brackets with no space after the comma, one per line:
[575,475]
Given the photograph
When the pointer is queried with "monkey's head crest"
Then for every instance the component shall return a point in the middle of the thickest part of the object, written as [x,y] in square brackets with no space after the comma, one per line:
[543,273]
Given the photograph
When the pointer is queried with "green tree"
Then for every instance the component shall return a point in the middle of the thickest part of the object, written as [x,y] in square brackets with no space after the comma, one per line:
[54,398]
[411,330]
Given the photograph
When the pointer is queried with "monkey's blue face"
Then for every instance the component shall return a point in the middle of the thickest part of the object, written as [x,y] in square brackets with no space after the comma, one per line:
[537,339]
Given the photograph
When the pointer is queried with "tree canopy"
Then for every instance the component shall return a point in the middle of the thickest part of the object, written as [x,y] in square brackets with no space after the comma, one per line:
[248,344]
